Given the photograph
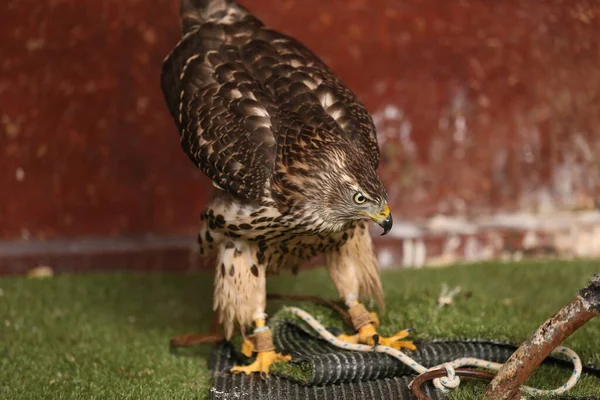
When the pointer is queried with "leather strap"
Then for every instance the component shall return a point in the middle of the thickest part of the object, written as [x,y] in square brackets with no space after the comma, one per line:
[262,341]
[360,316]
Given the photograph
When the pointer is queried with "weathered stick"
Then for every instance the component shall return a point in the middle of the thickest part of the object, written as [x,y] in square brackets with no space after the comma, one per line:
[506,384]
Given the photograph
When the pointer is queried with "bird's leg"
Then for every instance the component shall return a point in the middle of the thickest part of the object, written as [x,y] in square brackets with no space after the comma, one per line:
[354,272]
[260,342]
[366,324]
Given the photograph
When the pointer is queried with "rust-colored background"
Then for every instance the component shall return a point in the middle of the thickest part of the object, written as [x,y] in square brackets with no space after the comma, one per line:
[480,105]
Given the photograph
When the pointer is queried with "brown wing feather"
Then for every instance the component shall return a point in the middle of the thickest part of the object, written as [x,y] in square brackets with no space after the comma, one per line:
[244,97]
[220,108]
[335,100]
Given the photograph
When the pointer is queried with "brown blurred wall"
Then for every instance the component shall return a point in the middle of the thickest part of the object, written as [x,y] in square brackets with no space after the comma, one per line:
[480,106]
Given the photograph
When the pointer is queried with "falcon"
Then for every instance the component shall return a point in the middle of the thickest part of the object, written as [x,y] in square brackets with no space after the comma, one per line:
[293,156]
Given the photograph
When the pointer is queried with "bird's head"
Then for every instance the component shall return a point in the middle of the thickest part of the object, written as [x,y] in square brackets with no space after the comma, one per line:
[343,189]
[358,194]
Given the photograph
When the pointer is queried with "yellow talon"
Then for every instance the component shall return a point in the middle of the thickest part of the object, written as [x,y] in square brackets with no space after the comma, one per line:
[260,342]
[262,364]
[396,343]
[368,333]
[247,348]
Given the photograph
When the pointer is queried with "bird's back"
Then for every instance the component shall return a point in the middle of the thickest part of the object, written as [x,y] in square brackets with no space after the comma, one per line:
[249,101]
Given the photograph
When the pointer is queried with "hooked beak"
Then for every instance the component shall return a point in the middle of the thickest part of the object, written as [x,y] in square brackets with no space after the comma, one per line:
[384,219]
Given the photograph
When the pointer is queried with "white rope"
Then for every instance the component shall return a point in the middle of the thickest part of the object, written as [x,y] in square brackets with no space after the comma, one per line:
[451,381]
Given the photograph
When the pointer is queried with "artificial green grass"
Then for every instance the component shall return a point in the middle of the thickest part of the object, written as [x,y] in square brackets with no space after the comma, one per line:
[106,336]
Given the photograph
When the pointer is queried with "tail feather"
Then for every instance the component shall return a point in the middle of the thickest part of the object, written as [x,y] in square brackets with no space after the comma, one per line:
[195,12]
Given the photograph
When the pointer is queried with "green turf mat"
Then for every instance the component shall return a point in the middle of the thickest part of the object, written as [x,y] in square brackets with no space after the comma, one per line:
[106,335]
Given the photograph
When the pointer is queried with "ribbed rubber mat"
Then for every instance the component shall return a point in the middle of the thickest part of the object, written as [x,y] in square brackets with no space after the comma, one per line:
[226,386]
[329,364]
[334,374]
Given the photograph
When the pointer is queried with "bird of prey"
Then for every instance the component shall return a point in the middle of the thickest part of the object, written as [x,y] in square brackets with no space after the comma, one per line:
[292,154]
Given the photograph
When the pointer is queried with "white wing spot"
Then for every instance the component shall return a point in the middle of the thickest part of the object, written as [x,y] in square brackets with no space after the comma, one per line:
[208,55]
[181,106]
[201,140]
[261,111]
[235,166]
[215,184]
[187,63]
[326,99]
[311,84]
[336,113]
[231,17]
[264,122]
[181,76]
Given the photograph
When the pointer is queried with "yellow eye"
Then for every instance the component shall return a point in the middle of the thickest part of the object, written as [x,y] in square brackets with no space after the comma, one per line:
[359,198]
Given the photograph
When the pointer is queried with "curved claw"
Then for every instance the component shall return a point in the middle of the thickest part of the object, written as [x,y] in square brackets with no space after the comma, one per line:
[396,342]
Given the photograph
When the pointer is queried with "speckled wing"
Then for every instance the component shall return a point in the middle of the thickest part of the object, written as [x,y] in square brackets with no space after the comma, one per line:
[246,98]
[220,109]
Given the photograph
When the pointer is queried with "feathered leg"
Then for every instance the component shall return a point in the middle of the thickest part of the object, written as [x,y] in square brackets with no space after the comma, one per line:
[240,296]
[353,270]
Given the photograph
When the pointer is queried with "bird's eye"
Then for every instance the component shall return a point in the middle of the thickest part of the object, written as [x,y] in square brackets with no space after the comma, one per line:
[359,198]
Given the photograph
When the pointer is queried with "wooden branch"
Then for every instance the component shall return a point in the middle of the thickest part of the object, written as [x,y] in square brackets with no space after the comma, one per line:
[506,384]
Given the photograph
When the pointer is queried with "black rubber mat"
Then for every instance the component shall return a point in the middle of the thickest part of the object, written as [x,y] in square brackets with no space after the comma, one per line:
[335,374]
[252,387]
[331,373]
[328,364]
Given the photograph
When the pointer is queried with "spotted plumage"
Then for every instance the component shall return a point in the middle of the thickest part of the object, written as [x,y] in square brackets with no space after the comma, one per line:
[291,152]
